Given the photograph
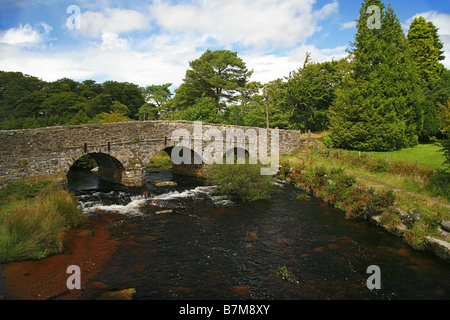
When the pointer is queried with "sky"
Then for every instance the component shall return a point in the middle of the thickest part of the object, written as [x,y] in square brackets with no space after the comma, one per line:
[152,42]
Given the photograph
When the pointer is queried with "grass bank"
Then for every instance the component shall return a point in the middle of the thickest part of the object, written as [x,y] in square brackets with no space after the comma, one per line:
[34,216]
[397,194]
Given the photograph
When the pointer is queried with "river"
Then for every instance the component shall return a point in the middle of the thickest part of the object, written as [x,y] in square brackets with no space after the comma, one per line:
[208,247]
[212,247]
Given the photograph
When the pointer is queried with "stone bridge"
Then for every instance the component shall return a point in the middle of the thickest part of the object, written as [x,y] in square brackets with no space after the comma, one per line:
[123,150]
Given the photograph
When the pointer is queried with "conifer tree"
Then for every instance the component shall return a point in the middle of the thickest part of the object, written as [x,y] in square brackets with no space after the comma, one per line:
[426,50]
[376,107]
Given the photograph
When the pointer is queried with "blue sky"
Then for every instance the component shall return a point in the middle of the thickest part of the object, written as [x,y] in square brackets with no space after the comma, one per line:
[152,42]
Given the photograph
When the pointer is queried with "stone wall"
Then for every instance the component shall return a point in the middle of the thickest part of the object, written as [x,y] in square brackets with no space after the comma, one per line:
[125,147]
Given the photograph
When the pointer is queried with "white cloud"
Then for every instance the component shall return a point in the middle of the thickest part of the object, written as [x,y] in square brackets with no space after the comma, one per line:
[348,25]
[441,21]
[271,67]
[95,24]
[263,23]
[26,35]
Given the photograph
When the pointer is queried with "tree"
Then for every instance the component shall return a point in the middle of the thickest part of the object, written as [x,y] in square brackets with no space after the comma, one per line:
[126,93]
[377,106]
[157,94]
[62,103]
[311,90]
[101,103]
[217,75]
[445,114]
[13,87]
[148,111]
[426,48]
[112,116]
[79,118]
[204,109]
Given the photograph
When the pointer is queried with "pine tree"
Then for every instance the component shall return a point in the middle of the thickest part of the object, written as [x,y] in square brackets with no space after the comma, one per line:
[376,105]
[426,48]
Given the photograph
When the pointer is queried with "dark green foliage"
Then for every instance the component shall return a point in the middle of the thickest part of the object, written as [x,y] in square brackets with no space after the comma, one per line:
[27,102]
[377,106]
[439,184]
[216,75]
[310,92]
[426,50]
[241,180]
[379,202]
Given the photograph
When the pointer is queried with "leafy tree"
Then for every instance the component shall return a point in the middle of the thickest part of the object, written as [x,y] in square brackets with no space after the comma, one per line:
[62,103]
[250,109]
[79,118]
[126,93]
[311,90]
[148,111]
[13,87]
[217,75]
[377,106]
[89,89]
[157,94]
[30,105]
[120,108]
[112,116]
[101,103]
[204,109]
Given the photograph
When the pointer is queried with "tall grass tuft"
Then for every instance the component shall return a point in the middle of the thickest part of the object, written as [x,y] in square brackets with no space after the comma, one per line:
[33,228]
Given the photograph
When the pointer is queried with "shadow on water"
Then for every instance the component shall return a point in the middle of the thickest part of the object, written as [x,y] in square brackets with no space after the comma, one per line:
[208,247]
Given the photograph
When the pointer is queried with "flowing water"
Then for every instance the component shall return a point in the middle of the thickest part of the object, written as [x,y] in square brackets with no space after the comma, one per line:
[212,247]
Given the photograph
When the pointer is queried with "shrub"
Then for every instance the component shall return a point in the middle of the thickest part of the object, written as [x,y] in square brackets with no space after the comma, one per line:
[390,219]
[241,180]
[379,202]
[439,184]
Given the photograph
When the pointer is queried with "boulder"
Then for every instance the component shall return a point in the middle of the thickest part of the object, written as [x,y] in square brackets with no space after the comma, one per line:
[445,224]
[439,247]
[165,183]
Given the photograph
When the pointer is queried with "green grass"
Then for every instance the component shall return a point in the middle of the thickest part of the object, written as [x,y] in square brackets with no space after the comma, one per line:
[426,155]
[33,220]
[161,160]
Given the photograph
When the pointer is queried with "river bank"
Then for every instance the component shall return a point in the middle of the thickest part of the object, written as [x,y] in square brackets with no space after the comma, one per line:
[89,246]
[339,179]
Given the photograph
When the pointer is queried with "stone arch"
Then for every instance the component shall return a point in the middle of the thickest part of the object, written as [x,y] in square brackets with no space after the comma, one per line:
[109,167]
[194,160]
[238,155]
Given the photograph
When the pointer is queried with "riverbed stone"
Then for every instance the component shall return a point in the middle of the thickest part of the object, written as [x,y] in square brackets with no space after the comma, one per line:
[163,211]
[445,224]
[440,247]
[165,183]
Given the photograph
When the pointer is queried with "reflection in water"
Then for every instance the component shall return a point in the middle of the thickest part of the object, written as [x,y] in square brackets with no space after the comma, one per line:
[211,247]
